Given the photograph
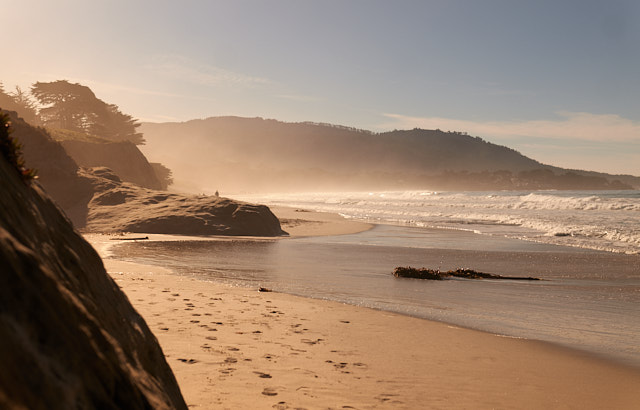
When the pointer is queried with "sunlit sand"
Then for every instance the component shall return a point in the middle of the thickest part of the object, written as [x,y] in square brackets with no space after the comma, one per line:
[233,347]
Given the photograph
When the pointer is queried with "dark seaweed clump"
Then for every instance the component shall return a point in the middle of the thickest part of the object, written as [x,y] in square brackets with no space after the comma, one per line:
[436,274]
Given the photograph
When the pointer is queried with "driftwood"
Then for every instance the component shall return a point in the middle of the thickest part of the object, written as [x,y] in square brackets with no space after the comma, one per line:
[436,274]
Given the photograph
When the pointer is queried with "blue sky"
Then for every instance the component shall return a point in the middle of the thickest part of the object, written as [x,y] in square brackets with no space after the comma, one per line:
[556,80]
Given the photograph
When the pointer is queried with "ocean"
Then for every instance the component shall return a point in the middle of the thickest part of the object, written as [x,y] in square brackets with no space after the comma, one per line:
[584,245]
[601,220]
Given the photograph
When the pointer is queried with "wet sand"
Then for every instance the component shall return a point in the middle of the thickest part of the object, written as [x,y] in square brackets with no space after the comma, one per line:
[302,222]
[236,347]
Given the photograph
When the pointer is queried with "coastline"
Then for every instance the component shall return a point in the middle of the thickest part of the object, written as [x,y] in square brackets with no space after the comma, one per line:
[236,347]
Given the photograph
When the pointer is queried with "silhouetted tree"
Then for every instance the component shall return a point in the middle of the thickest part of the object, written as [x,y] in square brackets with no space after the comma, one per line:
[75,107]
[20,102]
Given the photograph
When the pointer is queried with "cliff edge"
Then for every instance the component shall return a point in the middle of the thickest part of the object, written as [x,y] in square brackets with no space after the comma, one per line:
[69,338]
[123,157]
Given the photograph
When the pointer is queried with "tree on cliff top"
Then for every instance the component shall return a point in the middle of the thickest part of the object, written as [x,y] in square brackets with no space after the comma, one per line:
[20,102]
[75,107]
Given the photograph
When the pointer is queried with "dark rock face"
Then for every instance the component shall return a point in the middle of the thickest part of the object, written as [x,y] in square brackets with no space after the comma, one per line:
[57,172]
[69,338]
[124,207]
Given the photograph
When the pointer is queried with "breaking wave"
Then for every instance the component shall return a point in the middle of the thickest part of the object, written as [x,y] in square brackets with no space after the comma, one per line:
[601,220]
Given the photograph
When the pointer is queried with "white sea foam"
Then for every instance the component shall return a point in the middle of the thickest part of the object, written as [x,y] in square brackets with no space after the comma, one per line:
[602,220]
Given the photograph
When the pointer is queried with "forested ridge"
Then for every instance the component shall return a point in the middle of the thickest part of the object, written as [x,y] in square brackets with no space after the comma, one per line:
[256,154]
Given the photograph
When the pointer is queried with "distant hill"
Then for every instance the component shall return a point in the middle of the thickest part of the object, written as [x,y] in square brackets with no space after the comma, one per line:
[254,154]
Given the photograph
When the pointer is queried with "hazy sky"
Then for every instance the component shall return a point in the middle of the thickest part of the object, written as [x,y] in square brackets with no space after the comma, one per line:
[557,80]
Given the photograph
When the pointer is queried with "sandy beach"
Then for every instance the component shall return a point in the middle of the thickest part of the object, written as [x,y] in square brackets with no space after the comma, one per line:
[237,348]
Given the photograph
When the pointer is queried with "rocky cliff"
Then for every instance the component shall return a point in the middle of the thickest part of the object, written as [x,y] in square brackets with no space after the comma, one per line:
[57,171]
[69,338]
[123,157]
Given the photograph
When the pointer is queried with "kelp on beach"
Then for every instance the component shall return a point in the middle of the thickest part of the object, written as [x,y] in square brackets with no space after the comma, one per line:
[436,274]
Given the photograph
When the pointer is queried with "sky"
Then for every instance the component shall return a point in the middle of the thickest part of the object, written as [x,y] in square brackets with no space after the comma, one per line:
[557,80]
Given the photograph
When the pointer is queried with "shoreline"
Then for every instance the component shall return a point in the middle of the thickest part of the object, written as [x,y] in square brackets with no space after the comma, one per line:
[235,347]
[302,222]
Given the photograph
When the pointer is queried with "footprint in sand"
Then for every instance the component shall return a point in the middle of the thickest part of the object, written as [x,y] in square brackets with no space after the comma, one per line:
[188,361]
[384,397]
[311,342]
[263,375]
[231,360]
[269,391]
[211,338]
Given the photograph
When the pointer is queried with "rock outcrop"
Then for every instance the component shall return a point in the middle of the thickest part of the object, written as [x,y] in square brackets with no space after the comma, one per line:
[69,338]
[123,207]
